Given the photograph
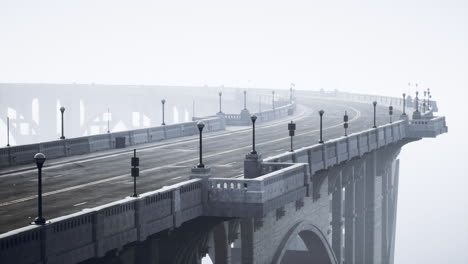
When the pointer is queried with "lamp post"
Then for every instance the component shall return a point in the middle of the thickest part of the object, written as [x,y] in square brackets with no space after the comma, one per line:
[291,93]
[390,112]
[292,129]
[108,120]
[321,112]
[259,103]
[245,100]
[62,110]
[416,104]
[424,102]
[200,126]
[39,158]
[345,125]
[163,102]
[404,103]
[428,98]
[375,106]
[253,118]
[220,94]
[8,131]
[273,99]
[135,162]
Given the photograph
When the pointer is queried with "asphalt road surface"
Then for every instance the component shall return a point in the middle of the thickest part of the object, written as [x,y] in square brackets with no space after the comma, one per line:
[74,183]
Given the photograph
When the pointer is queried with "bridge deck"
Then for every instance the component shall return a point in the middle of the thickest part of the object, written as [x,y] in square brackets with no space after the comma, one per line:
[100,178]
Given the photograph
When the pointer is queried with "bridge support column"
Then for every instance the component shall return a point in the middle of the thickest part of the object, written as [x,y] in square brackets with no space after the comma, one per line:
[393,212]
[360,203]
[371,172]
[337,218]
[386,176]
[153,251]
[222,252]
[247,241]
[350,218]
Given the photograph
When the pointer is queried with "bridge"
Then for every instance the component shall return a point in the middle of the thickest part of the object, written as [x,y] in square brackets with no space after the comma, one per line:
[328,202]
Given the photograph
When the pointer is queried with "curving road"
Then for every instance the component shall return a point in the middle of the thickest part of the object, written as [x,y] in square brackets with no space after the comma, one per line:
[73,183]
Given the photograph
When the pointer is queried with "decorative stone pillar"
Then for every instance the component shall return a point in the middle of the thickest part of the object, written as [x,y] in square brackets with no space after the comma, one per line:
[252,166]
[204,174]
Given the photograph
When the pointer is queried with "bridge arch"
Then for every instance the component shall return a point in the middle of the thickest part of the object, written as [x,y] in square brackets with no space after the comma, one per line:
[316,243]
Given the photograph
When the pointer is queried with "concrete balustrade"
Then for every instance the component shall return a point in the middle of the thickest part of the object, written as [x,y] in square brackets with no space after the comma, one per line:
[322,156]
[283,110]
[16,155]
[253,197]
[427,127]
[93,232]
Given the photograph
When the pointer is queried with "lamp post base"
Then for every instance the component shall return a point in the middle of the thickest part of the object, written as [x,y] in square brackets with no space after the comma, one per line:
[39,221]
[62,137]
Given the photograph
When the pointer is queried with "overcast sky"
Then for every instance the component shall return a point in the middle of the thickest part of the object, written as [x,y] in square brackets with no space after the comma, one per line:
[362,46]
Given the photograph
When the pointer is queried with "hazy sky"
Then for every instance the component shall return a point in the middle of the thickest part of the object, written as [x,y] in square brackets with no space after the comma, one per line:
[363,46]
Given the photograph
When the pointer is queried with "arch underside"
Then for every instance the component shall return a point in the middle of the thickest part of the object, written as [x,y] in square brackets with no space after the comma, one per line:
[318,248]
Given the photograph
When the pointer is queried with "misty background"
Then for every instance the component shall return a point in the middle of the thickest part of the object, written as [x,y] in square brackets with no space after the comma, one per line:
[358,46]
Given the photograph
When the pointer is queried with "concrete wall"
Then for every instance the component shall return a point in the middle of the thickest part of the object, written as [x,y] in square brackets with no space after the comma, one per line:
[16,155]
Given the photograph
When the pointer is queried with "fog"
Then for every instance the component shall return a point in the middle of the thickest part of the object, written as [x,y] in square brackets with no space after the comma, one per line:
[358,46]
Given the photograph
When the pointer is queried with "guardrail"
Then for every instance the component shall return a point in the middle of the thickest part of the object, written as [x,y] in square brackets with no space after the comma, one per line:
[23,154]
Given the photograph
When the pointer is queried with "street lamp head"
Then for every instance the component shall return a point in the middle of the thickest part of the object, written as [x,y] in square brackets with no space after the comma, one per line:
[374,103]
[220,93]
[404,95]
[39,158]
[62,109]
[163,101]
[200,125]
[253,118]
[321,112]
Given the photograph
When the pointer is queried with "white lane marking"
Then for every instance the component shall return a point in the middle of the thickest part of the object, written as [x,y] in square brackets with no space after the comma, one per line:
[78,204]
[298,117]
[178,177]
[358,114]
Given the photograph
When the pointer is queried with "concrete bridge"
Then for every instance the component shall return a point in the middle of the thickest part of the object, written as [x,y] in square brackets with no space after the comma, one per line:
[333,202]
